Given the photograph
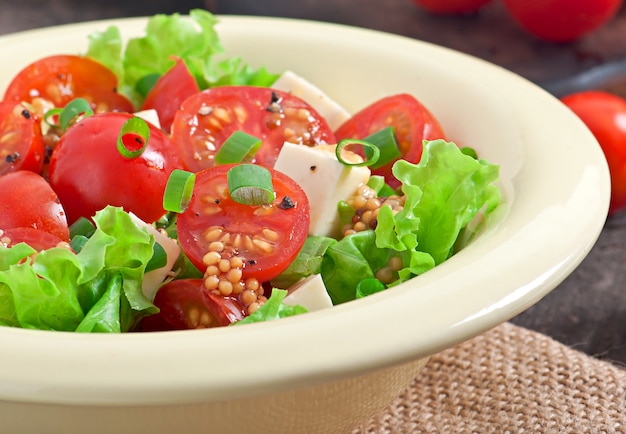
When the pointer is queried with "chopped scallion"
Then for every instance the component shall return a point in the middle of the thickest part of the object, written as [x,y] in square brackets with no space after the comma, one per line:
[368,148]
[385,141]
[133,137]
[178,190]
[240,147]
[250,184]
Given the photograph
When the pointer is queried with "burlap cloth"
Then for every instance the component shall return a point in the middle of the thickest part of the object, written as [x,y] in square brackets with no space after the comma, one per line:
[509,380]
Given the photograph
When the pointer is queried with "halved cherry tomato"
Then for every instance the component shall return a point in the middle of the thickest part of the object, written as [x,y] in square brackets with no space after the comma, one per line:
[208,118]
[562,20]
[35,238]
[605,115]
[412,122]
[268,237]
[169,92]
[27,200]
[88,172]
[21,142]
[184,304]
[451,6]
[62,78]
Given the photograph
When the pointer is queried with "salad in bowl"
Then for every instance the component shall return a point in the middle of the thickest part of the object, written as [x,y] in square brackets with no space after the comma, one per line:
[168,187]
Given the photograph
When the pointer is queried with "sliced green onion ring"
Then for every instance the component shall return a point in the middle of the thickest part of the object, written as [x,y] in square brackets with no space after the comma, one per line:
[385,141]
[66,117]
[240,147]
[178,190]
[372,150]
[135,131]
[250,184]
[52,117]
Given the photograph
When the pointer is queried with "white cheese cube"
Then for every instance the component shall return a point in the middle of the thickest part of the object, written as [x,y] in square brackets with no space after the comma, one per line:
[332,111]
[153,279]
[151,116]
[325,181]
[310,293]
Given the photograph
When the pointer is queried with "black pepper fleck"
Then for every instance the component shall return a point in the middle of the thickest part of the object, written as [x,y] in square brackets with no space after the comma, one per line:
[274,105]
[12,158]
[313,168]
[26,114]
[286,203]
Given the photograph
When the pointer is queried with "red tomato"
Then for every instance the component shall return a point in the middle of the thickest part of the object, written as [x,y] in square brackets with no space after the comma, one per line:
[21,143]
[562,20]
[88,172]
[412,122]
[269,237]
[451,6]
[169,92]
[35,238]
[185,304]
[28,201]
[605,115]
[61,78]
[208,118]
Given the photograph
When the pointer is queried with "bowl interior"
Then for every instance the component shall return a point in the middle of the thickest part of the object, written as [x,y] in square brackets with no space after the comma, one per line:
[553,215]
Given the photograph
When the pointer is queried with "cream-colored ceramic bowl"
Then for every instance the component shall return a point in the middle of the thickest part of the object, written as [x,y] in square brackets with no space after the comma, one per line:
[329,370]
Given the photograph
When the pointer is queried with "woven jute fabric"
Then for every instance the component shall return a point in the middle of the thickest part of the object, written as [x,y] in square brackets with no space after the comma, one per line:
[509,380]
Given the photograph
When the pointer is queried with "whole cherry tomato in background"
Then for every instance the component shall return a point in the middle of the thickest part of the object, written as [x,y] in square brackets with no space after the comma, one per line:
[605,115]
[451,6]
[562,20]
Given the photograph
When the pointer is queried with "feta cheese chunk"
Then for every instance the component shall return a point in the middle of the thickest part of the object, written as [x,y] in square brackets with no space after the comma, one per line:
[151,116]
[310,293]
[153,279]
[325,181]
[332,111]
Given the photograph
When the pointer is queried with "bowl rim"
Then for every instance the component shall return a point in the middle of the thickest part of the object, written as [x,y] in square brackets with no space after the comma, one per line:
[220,364]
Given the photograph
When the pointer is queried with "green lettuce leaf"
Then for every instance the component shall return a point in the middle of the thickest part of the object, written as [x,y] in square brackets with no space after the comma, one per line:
[444,192]
[307,263]
[193,39]
[273,309]
[95,290]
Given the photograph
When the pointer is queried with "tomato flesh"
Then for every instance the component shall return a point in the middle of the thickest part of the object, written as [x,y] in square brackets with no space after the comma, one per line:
[88,172]
[184,304]
[35,238]
[21,141]
[562,20]
[268,236]
[452,6]
[412,121]
[28,201]
[61,78]
[605,115]
[206,119]
[169,92]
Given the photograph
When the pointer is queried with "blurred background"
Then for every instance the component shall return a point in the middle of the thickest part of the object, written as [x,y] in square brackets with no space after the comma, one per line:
[588,310]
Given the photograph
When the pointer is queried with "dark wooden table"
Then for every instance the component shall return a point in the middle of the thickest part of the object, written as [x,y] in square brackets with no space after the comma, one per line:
[588,310]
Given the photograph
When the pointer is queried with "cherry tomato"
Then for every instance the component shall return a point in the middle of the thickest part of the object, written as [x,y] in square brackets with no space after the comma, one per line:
[169,92]
[269,237]
[88,172]
[62,78]
[208,118]
[21,142]
[451,6]
[605,115]
[35,238]
[562,20]
[184,304]
[28,201]
[412,122]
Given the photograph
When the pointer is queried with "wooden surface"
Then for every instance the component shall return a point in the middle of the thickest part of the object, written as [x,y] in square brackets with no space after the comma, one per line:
[588,310]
